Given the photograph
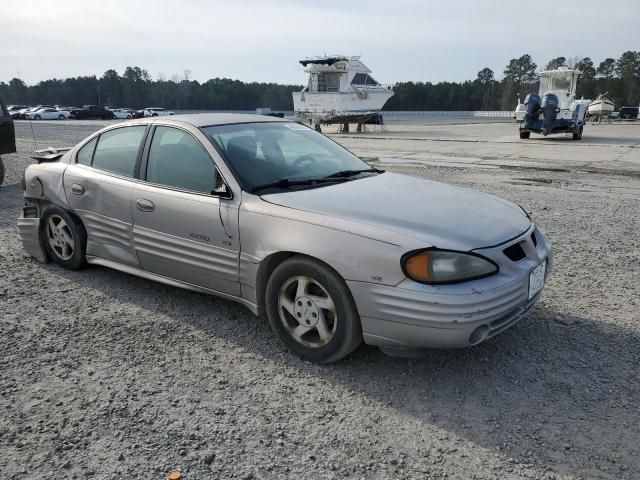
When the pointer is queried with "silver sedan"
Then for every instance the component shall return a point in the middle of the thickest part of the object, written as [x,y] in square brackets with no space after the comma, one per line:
[274,215]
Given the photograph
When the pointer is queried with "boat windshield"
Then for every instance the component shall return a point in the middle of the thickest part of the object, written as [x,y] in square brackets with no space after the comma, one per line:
[262,153]
[556,82]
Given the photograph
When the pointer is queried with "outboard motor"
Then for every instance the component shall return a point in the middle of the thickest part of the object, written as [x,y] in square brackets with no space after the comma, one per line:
[550,109]
[533,105]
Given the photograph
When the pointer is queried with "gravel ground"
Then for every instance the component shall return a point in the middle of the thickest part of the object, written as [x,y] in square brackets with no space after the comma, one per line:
[106,375]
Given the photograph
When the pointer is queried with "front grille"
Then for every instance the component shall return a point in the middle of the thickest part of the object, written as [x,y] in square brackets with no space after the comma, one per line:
[515,252]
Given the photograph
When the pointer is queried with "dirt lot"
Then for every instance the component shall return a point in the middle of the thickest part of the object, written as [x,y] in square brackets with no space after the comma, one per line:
[104,375]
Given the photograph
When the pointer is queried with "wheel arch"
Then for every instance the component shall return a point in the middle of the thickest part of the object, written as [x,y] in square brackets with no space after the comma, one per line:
[270,263]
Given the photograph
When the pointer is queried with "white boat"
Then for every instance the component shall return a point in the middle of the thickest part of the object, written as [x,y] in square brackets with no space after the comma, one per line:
[340,89]
[601,106]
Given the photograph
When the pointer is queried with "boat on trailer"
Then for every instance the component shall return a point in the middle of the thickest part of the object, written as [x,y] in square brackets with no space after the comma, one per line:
[340,89]
[554,109]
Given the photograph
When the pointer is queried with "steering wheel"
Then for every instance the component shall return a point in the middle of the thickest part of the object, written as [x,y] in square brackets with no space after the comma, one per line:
[303,159]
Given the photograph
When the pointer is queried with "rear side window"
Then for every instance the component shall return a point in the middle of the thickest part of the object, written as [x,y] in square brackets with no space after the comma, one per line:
[176,159]
[85,154]
[117,150]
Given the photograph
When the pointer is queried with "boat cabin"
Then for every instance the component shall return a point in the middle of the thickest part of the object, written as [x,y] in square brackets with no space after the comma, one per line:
[337,74]
[561,82]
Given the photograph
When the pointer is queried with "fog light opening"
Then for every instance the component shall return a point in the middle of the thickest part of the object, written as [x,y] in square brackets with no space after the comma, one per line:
[479,334]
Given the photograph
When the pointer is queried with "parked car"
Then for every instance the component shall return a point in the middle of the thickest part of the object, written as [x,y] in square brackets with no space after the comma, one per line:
[22,114]
[123,112]
[7,137]
[16,108]
[278,217]
[139,114]
[156,112]
[88,112]
[628,113]
[47,114]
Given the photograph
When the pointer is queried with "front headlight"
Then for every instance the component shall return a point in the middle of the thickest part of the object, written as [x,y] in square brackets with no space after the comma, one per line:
[436,267]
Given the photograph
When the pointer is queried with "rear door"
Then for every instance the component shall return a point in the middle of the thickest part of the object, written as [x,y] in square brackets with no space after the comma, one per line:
[98,186]
[185,227]
[7,131]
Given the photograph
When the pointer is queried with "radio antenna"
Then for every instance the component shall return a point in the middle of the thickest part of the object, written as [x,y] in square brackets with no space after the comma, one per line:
[35,145]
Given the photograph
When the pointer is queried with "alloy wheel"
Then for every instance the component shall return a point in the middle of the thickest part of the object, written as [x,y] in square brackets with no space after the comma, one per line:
[60,237]
[307,311]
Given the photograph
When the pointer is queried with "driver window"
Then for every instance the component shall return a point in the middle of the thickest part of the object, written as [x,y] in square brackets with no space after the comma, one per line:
[176,159]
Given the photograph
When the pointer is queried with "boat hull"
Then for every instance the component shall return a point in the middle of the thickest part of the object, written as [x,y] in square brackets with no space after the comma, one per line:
[601,107]
[327,106]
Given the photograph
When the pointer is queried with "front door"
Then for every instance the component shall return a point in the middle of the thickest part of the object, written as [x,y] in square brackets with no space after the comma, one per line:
[98,185]
[182,227]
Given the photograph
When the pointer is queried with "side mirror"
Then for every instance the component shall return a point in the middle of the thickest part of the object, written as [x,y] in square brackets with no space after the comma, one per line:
[222,191]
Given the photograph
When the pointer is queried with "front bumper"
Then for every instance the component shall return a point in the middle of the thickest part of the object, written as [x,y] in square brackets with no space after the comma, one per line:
[452,316]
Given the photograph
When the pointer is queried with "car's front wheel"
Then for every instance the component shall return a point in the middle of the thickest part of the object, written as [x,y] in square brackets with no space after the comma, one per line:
[37,117]
[63,237]
[61,117]
[311,310]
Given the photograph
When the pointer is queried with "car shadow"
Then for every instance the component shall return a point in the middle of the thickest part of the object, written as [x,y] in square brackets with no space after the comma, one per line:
[549,392]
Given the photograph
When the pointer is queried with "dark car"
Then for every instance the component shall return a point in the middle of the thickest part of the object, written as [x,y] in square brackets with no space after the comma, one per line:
[7,136]
[92,112]
[628,113]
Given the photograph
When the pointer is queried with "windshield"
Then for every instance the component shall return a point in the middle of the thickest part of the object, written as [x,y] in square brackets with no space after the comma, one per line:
[262,153]
[555,83]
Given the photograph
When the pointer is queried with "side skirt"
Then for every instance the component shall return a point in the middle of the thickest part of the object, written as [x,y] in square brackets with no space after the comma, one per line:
[168,281]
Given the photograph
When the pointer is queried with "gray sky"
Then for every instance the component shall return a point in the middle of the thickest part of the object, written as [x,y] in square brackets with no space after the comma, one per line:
[262,40]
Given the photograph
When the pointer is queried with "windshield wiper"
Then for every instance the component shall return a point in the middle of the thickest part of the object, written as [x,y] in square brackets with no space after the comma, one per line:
[351,173]
[286,183]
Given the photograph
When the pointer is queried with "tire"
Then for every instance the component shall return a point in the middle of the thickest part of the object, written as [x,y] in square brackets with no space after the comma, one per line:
[154,115]
[61,117]
[578,135]
[37,117]
[320,307]
[524,135]
[56,244]
[128,117]
[1,171]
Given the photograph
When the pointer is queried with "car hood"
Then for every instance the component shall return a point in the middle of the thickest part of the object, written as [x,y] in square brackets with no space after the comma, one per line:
[435,213]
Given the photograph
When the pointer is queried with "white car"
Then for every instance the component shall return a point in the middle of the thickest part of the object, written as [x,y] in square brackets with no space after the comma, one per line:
[47,114]
[123,112]
[156,112]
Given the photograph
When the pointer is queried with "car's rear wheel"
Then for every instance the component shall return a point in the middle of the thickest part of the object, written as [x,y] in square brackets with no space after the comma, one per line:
[37,117]
[311,310]
[63,237]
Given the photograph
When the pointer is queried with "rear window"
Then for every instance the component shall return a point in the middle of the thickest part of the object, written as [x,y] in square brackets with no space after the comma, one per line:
[117,150]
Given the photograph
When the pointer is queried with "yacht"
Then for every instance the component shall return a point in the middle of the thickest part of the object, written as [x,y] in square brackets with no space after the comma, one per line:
[340,89]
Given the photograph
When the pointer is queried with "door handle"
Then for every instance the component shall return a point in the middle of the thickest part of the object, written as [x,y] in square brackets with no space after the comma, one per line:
[145,205]
[77,189]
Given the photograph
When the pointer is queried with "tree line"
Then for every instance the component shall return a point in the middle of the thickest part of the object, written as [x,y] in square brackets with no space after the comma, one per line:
[135,88]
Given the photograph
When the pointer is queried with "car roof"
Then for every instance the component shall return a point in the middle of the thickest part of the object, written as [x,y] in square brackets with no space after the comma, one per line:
[213,119]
